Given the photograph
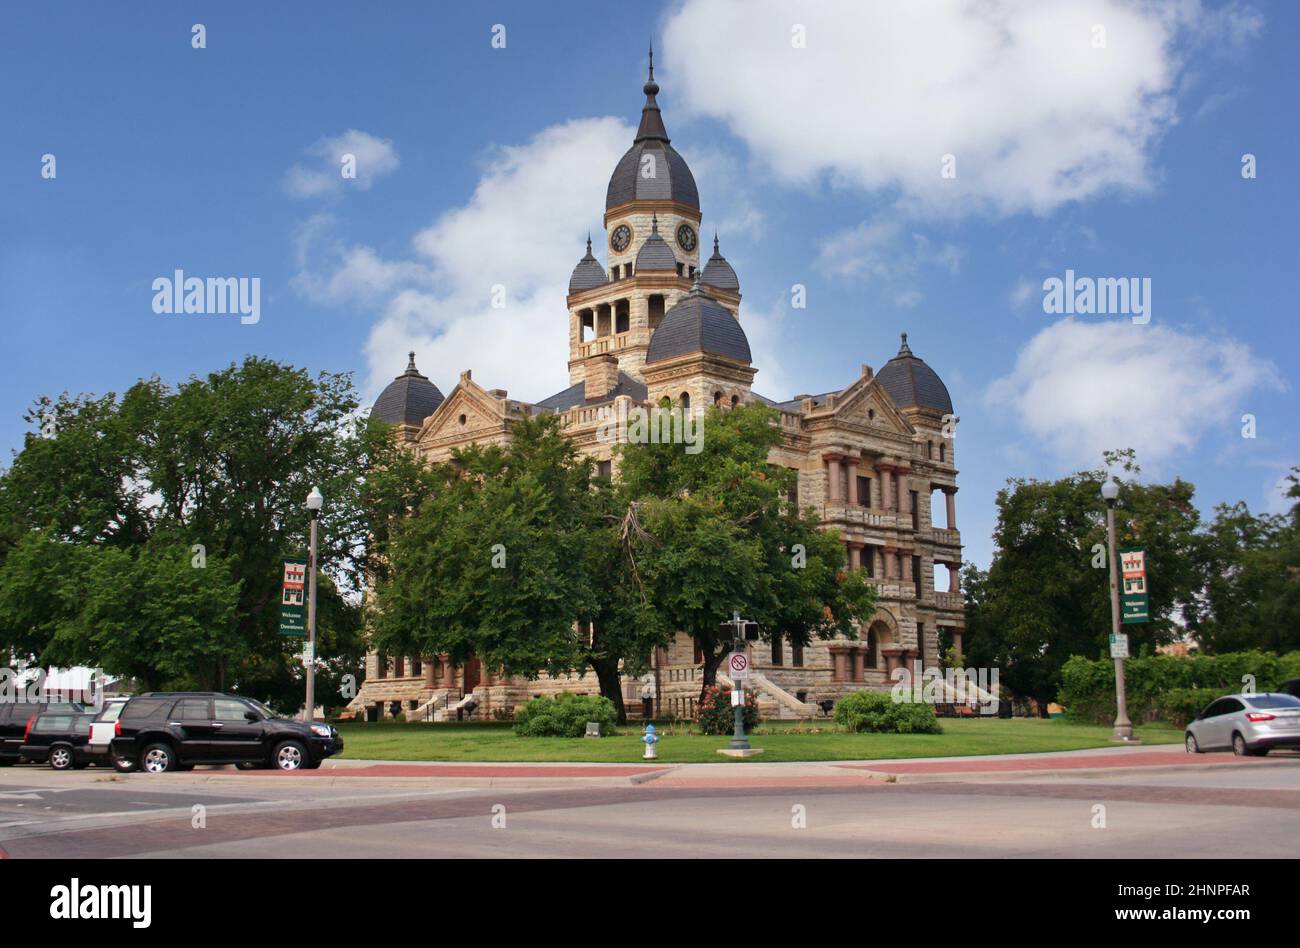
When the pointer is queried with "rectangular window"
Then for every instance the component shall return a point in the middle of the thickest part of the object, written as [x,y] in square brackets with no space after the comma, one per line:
[604,469]
[864,491]
[796,655]
[777,652]
[869,560]
[912,506]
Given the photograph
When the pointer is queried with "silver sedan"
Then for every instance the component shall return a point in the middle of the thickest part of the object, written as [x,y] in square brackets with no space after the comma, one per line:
[1250,724]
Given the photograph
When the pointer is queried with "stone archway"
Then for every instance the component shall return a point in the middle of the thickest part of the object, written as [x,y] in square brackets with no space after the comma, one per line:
[882,641]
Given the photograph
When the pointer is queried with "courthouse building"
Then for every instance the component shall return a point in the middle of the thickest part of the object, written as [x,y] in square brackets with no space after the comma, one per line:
[657,321]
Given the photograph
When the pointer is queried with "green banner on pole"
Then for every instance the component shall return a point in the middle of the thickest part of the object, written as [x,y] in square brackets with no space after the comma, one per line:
[293,609]
[1134,604]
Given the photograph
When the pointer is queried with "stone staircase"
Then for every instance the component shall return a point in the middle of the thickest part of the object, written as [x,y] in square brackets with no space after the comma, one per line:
[774,702]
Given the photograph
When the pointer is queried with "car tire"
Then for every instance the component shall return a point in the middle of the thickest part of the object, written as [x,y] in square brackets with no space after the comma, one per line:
[290,756]
[1191,745]
[251,765]
[1239,746]
[158,759]
[61,757]
[124,765]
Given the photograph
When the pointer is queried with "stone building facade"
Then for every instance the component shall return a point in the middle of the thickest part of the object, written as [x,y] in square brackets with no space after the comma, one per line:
[656,322]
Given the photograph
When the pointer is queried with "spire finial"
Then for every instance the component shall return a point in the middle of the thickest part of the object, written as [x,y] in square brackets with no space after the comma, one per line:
[652,61]
[410,365]
[715,243]
[654,223]
[903,349]
[589,243]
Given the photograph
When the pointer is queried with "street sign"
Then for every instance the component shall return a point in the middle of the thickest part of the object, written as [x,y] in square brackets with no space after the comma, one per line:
[1134,604]
[308,653]
[1118,645]
[738,666]
[737,697]
[293,612]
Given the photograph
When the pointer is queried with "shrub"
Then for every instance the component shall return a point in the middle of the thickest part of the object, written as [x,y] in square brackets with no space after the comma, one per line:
[878,711]
[1180,705]
[1088,687]
[717,716]
[565,715]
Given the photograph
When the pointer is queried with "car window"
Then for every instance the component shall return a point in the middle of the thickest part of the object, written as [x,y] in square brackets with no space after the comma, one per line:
[193,709]
[1275,701]
[47,723]
[111,712]
[1230,705]
[227,709]
[139,708]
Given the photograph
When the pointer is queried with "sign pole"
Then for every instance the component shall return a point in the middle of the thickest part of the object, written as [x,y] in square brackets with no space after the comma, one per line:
[738,739]
[1123,726]
[310,651]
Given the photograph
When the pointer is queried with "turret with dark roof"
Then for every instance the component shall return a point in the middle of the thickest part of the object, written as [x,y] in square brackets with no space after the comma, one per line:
[588,274]
[718,273]
[698,324]
[913,384]
[655,254]
[672,179]
[408,399]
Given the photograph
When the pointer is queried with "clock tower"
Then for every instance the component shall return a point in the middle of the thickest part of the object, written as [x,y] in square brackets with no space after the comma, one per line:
[652,247]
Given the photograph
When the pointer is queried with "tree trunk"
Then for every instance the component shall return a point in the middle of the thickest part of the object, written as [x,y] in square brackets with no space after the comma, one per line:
[711,664]
[610,685]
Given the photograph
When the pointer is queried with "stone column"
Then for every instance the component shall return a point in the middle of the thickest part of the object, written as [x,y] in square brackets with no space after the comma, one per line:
[852,464]
[954,577]
[837,665]
[956,642]
[856,655]
[885,473]
[888,556]
[448,672]
[833,472]
[903,489]
[950,495]
[855,556]
[905,561]
[428,668]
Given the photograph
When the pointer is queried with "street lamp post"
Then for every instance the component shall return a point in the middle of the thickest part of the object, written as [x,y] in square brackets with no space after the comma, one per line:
[1123,726]
[738,739]
[314,502]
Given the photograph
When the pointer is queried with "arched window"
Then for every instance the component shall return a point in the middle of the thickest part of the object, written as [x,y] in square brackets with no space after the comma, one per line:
[943,451]
[870,659]
[686,401]
[717,398]
[735,400]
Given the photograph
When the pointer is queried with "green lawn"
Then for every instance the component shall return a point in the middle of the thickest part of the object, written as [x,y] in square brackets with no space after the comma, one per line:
[961,737]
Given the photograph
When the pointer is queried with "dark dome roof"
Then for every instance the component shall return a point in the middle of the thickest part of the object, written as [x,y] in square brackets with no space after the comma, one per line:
[588,273]
[409,399]
[655,254]
[698,323]
[913,384]
[672,179]
[717,272]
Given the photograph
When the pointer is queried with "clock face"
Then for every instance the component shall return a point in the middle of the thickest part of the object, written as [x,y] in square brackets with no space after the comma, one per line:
[686,237]
[621,237]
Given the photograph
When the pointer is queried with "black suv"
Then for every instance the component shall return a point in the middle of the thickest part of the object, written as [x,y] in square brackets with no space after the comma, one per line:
[16,716]
[58,738]
[161,731]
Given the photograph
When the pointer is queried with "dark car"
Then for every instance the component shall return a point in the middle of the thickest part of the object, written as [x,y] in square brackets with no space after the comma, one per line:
[162,731]
[58,738]
[15,716]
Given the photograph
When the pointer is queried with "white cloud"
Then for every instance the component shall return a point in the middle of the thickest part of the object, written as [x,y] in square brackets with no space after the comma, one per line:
[1021,292]
[880,252]
[374,157]
[1080,388]
[523,228]
[1014,89]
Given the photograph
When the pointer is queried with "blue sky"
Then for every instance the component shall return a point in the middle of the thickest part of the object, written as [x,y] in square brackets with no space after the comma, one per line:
[818,163]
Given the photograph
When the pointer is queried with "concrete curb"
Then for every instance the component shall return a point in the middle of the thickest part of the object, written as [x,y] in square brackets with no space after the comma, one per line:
[1083,773]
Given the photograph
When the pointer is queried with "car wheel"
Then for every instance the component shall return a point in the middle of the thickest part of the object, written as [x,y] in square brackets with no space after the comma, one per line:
[158,759]
[60,757]
[1192,746]
[290,755]
[123,765]
[1239,746]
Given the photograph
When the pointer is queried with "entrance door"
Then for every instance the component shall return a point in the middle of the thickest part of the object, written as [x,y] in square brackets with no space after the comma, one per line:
[471,675]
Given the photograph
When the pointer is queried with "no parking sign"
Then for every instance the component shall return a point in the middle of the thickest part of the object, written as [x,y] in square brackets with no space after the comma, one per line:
[738,666]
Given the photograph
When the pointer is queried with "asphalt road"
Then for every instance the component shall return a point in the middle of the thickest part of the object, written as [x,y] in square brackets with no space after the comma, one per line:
[1241,811]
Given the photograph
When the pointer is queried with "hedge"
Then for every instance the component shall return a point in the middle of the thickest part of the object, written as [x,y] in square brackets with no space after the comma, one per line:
[565,715]
[878,711]
[1157,685]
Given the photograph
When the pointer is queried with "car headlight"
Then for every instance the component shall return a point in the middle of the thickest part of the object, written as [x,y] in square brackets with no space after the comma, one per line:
[321,730]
